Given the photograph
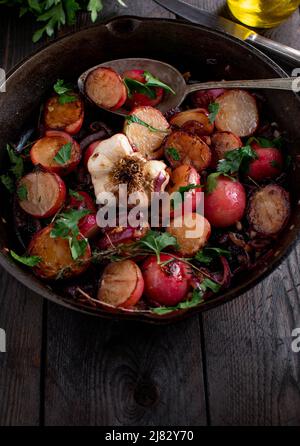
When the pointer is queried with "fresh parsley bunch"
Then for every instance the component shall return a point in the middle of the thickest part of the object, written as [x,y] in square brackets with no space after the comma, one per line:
[56,13]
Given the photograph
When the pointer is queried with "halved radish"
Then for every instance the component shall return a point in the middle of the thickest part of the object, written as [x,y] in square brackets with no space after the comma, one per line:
[66,117]
[56,260]
[191,232]
[47,150]
[191,150]
[106,88]
[269,210]
[238,113]
[122,284]
[141,99]
[88,224]
[41,194]
[223,142]
[187,119]
[148,142]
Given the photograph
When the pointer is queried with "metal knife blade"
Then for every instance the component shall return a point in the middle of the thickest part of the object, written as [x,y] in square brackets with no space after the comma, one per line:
[205,18]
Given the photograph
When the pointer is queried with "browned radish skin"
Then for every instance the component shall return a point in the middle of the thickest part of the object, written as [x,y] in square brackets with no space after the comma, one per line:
[122,284]
[191,149]
[66,117]
[45,149]
[189,245]
[147,142]
[269,210]
[238,113]
[188,118]
[56,256]
[45,194]
[223,142]
[106,88]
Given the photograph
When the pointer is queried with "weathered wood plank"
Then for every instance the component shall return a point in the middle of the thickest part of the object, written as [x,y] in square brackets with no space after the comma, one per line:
[109,373]
[21,310]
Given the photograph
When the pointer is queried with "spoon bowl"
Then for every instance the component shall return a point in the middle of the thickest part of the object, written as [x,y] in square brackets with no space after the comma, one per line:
[172,77]
[163,71]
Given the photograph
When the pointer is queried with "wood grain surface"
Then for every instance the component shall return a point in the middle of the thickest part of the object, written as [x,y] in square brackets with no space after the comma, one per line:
[232,366]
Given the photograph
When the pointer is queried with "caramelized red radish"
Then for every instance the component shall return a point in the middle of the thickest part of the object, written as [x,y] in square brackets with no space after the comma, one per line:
[192,233]
[187,119]
[205,97]
[105,88]
[167,283]
[147,142]
[47,148]
[41,194]
[122,284]
[183,176]
[226,204]
[88,224]
[66,117]
[269,163]
[191,150]
[269,210]
[89,152]
[121,235]
[223,142]
[140,99]
[237,113]
[56,260]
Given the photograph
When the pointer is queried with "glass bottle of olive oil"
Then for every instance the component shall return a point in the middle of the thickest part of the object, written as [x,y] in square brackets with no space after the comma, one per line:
[262,13]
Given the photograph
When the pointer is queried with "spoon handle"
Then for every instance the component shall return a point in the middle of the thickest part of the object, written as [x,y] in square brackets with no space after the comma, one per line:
[287,83]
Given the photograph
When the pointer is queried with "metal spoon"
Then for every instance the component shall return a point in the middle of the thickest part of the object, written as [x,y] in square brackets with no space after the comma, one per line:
[170,76]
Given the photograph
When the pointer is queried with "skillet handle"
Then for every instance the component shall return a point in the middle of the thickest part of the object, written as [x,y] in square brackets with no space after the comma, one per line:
[284,52]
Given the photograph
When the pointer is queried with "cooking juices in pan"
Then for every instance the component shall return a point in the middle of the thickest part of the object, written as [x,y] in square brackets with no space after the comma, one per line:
[220,148]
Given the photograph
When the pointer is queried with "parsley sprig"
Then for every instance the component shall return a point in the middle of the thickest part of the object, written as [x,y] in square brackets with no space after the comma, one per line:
[16,170]
[133,119]
[66,227]
[26,260]
[64,91]
[54,14]
[64,154]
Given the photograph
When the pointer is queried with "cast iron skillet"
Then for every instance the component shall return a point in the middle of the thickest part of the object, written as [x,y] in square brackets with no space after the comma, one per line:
[207,54]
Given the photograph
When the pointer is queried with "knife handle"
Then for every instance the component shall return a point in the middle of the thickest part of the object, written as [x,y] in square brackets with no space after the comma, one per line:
[285,52]
[285,83]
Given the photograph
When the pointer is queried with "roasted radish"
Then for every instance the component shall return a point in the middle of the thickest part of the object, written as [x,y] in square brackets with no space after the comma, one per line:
[56,260]
[183,148]
[225,205]
[56,152]
[89,152]
[88,224]
[166,283]
[187,119]
[191,232]
[269,163]
[121,235]
[67,117]
[122,284]
[237,113]
[105,88]
[180,179]
[222,142]
[138,98]
[146,129]
[203,98]
[41,194]
[269,210]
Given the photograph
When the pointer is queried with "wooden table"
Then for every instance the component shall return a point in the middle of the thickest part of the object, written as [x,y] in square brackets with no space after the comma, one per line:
[231,366]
